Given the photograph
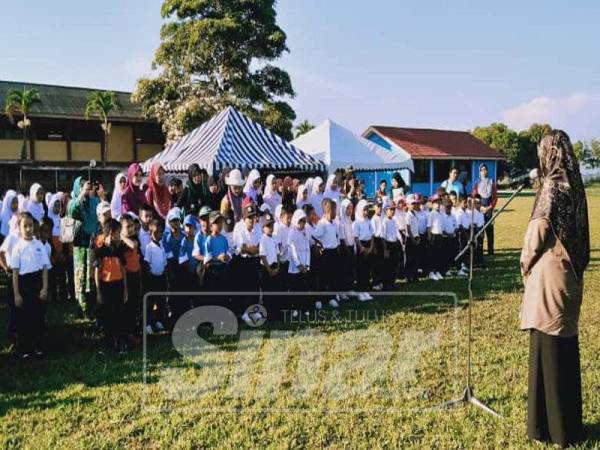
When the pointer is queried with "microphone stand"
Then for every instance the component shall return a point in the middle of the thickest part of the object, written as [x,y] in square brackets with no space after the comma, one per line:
[468,395]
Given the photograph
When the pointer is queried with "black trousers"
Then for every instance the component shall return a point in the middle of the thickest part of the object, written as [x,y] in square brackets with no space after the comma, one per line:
[156,307]
[347,264]
[364,268]
[246,273]
[300,282]
[435,254]
[554,389]
[216,279]
[449,251]
[133,307]
[378,262]
[29,317]
[328,268]
[390,265]
[489,233]
[412,261]
[272,303]
[111,313]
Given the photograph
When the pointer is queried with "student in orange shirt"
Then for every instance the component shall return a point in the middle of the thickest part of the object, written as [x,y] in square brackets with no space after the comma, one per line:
[111,284]
[133,272]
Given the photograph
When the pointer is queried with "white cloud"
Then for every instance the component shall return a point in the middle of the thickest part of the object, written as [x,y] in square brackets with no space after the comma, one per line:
[578,114]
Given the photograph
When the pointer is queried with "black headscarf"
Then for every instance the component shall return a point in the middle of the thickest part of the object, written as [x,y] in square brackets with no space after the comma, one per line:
[561,199]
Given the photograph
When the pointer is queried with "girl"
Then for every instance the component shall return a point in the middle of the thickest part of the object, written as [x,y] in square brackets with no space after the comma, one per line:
[347,251]
[115,202]
[327,237]
[299,268]
[400,218]
[133,275]
[157,194]
[316,198]
[376,222]
[10,207]
[331,189]
[30,265]
[413,240]
[365,245]
[302,196]
[213,195]
[234,197]
[272,196]
[111,285]
[391,246]
[435,230]
[35,204]
[252,187]
[58,277]
[133,197]
[450,241]
[195,192]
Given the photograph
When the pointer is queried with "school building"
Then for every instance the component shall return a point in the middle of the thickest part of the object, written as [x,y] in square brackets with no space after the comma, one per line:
[434,153]
[62,143]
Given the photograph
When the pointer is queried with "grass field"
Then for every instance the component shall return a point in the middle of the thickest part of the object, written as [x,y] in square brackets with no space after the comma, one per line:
[80,397]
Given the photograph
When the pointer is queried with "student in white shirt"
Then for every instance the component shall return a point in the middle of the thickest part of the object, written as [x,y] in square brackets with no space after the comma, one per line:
[435,233]
[146,216]
[376,223]
[365,248]
[299,268]
[30,264]
[6,248]
[268,251]
[326,235]
[156,279]
[479,220]
[413,240]
[281,231]
[450,241]
[311,222]
[246,264]
[391,246]
[347,249]
[400,218]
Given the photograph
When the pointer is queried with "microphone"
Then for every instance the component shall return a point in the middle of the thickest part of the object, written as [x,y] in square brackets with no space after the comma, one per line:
[532,175]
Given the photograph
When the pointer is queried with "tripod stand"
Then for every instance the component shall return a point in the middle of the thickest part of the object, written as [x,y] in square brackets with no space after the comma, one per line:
[468,395]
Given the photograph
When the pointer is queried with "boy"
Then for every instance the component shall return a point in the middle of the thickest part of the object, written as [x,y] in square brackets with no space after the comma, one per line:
[450,241]
[30,265]
[413,240]
[326,235]
[376,223]
[146,217]
[463,221]
[133,274]
[111,284]
[156,258]
[435,231]
[217,258]
[268,251]
[187,262]
[391,246]
[281,232]
[171,241]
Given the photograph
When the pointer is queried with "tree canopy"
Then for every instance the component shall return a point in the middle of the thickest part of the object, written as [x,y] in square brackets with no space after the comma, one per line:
[215,54]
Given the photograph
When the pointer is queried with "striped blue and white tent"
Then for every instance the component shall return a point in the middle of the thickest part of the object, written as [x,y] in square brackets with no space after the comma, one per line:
[230,139]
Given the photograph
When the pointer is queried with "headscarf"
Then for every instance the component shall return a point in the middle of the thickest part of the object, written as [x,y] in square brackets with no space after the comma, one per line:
[249,187]
[47,197]
[309,184]
[22,201]
[316,197]
[7,213]
[132,197]
[561,198]
[484,185]
[196,191]
[300,201]
[358,214]
[278,210]
[345,222]
[213,200]
[158,196]
[51,215]
[330,193]
[273,198]
[299,238]
[76,187]
[115,202]
[35,208]
[87,208]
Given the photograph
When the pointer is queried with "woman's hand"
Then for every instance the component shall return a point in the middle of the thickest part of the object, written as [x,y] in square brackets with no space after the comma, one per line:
[18,300]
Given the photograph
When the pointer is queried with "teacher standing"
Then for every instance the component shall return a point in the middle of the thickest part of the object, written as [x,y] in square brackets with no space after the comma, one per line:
[554,257]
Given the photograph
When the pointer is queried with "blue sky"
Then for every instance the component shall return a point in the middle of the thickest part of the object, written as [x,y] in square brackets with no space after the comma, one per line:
[421,63]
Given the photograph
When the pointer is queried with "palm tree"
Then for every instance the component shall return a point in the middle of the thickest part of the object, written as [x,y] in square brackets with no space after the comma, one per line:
[303,127]
[20,103]
[100,104]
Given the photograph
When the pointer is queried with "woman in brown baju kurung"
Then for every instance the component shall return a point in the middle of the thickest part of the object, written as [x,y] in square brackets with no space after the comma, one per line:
[554,257]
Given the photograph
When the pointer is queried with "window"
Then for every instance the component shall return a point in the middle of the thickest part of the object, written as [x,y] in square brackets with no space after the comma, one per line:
[441,169]
[148,133]
[86,132]
[464,170]
[49,132]
[9,130]
[421,174]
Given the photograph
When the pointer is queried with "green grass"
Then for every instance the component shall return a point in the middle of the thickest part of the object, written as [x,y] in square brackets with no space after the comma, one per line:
[81,398]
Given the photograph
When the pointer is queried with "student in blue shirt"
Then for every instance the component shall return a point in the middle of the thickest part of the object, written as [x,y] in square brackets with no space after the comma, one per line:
[217,258]
[452,184]
[171,242]
[187,262]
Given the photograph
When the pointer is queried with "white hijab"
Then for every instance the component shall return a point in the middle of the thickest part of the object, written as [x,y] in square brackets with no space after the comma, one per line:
[330,193]
[35,208]
[55,217]
[273,198]
[316,197]
[7,213]
[249,187]
[115,201]
[360,207]
[300,201]
[299,238]
[345,222]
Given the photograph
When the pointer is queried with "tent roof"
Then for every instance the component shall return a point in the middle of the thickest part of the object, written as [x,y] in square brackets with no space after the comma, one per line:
[338,147]
[230,139]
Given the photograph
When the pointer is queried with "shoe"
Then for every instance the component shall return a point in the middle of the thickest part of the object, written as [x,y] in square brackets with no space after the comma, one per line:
[149,329]
[38,353]
[463,267]
[352,294]
[318,305]
[378,287]
[433,276]
[439,276]
[295,313]
[364,297]
[246,318]
[307,313]
[333,303]
[343,297]
[449,273]
[462,274]
[24,356]
[159,326]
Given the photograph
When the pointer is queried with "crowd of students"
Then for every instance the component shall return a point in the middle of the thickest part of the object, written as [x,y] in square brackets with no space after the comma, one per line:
[218,235]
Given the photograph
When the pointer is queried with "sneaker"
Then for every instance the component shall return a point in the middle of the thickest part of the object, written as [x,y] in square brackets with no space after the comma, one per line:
[449,273]
[24,356]
[364,297]
[318,305]
[463,268]
[439,276]
[295,313]
[343,297]
[462,274]
[307,313]
[333,303]
[159,326]
[378,287]
[353,294]
[38,353]
[149,329]
[433,276]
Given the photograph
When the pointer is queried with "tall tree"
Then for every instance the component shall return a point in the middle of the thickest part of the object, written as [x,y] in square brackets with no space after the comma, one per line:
[216,54]
[303,127]
[19,103]
[530,138]
[100,104]
[501,138]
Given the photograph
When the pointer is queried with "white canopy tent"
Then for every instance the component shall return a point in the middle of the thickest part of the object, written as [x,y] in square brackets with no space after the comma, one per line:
[339,148]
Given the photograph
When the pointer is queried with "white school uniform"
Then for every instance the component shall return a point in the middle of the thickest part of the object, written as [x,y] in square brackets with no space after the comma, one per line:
[243,236]
[422,217]
[281,233]
[449,224]
[362,229]
[434,222]
[156,257]
[389,230]
[412,223]
[376,223]
[268,248]
[29,257]
[327,234]
[299,245]
[8,246]
[478,219]
[400,218]
[459,214]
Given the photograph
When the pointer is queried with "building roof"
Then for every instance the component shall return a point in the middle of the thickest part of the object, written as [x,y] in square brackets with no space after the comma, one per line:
[424,143]
[69,102]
